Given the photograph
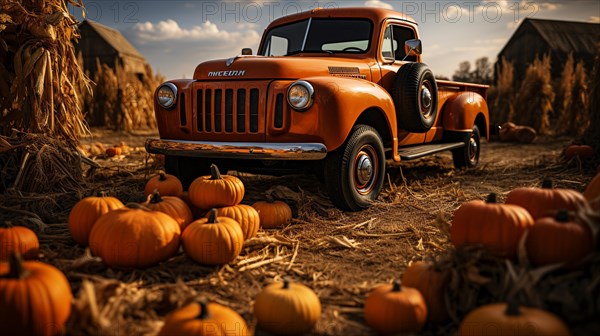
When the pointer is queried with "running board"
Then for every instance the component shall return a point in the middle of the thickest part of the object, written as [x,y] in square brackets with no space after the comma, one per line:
[415,152]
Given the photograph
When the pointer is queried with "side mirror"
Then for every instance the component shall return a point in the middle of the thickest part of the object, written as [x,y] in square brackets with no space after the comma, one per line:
[247,51]
[413,47]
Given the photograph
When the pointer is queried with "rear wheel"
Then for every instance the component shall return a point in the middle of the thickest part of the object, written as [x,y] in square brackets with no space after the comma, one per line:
[354,173]
[187,169]
[468,156]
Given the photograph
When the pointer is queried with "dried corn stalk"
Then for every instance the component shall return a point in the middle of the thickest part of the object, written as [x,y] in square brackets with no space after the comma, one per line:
[592,134]
[505,93]
[39,70]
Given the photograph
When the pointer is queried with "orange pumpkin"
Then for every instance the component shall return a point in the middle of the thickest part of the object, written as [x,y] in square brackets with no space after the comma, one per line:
[273,213]
[393,309]
[287,309]
[197,213]
[35,298]
[430,282]
[581,151]
[592,191]
[85,213]
[204,319]
[213,240]
[134,237]
[510,319]
[172,206]
[498,227]
[113,151]
[245,215]
[166,184]
[570,241]
[216,190]
[545,201]
[18,239]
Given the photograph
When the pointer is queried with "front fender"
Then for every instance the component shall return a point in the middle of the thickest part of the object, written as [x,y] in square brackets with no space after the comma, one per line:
[461,111]
[339,103]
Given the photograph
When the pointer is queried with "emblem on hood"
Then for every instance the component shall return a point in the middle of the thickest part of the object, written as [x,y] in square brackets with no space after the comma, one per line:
[232,73]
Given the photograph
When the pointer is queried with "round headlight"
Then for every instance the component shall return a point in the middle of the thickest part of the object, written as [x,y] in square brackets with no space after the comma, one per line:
[167,95]
[300,95]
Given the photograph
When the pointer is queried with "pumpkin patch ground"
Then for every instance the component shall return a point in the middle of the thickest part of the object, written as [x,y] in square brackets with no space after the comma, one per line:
[340,256]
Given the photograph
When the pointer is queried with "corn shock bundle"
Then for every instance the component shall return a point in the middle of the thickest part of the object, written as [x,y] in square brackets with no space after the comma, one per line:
[39,70]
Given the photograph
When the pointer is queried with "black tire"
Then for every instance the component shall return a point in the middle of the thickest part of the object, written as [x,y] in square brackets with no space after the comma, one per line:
[415,95]
[349,190]
[187,169]
[468,156]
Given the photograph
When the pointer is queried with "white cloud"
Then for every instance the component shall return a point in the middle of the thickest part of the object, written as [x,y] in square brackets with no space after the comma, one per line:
[594,19]
[208,31]
[513,24]
[378,3]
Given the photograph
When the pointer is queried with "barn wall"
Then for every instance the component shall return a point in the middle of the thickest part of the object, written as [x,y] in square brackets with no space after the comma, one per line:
[93,46]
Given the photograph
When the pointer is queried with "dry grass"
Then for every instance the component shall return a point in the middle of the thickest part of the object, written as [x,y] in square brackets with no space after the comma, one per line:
[39,71]
[122,101]
[502,104]
[533,105]
[342,256]
[573,118]
[592,134]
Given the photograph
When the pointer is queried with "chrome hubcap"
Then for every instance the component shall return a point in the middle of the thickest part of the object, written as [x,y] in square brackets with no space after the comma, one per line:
[364,168]
[472,149]
[425,97]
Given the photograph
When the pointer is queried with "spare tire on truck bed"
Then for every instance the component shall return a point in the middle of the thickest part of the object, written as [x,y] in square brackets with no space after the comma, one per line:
[415,96]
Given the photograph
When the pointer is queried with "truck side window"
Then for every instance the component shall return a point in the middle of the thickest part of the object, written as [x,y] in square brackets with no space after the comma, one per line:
[400,35]
[387,49]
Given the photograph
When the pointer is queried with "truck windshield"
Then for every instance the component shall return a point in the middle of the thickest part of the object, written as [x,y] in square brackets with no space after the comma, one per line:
[319,35]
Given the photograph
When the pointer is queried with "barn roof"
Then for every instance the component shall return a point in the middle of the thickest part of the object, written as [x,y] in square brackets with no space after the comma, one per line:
[115,39]
[564,36]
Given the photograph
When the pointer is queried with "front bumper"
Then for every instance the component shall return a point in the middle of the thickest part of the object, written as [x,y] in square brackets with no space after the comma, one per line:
[238,150]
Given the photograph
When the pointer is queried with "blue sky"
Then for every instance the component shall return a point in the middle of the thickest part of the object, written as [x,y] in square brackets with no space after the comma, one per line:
[177,35]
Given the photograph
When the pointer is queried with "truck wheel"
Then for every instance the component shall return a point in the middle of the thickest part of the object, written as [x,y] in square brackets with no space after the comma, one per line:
[187,169]
[415,96]
[354,173]
[468,156]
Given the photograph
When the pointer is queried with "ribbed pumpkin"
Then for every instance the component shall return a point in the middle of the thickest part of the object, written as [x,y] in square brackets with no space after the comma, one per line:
[214,240]
[85,213]
[545,201]
[581,151]
[197,319]
[197,213]
[287,308]
[510,319]
[245,215]
[558,240]
[18,239]
[498,227]
[35,298]
[216,190]
[393,309]
[134,237]
[166,184]
[431,283]
[172,206]
[592,191]
[273,213]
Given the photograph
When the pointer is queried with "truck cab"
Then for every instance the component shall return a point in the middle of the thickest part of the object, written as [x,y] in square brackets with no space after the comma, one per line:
[334,92]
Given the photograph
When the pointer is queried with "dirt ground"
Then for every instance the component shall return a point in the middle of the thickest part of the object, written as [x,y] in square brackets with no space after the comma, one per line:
[341,256]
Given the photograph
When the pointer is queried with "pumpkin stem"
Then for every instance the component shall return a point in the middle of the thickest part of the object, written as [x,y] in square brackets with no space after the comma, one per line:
[397,287]
[286,283]
[212,217]
[512,308]
[215,174]
[562,216]
[102,193]
[15,267]
[492,198]
[136,206]
[162,176]
[203,315]
[547,184]
[155,197]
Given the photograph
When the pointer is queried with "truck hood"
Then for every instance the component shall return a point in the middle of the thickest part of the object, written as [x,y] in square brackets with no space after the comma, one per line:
[288,67]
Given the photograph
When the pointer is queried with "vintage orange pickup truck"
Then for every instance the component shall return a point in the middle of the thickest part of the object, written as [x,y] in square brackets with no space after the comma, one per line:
[334,92]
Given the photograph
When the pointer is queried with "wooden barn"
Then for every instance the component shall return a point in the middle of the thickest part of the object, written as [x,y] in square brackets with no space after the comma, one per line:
[109,47]
[536,37]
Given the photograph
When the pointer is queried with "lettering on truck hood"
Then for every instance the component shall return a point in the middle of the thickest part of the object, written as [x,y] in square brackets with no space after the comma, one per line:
[230,73]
